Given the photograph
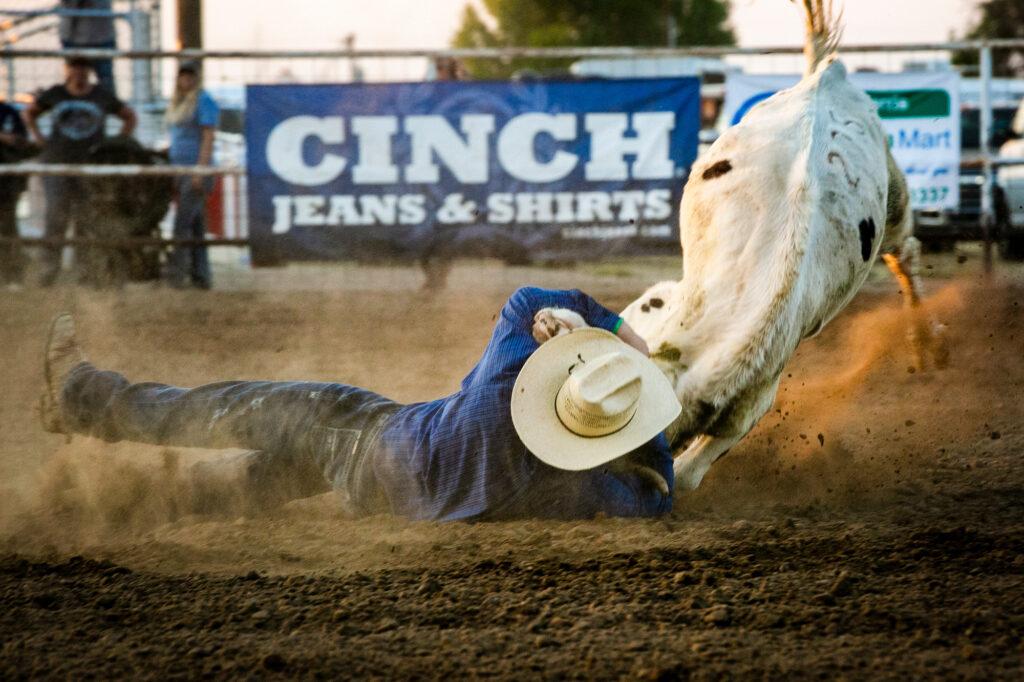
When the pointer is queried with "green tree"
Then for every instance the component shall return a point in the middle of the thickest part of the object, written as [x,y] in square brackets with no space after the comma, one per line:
[997,19]
[587,23]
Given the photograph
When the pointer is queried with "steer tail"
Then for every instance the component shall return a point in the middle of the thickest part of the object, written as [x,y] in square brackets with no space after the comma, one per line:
[823,31]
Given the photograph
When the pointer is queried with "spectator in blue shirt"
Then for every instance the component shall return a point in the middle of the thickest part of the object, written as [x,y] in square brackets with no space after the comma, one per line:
[192,118]
[562,417]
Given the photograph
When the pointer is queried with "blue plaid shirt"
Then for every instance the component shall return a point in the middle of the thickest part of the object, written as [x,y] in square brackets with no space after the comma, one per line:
[459,458]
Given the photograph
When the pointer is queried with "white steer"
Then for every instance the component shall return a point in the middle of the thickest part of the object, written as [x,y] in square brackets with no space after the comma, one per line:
[781,221]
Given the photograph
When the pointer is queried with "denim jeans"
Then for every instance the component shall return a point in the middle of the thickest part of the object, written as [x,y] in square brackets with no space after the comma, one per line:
[304,437]
[12,262]
[65,201]
[190,262]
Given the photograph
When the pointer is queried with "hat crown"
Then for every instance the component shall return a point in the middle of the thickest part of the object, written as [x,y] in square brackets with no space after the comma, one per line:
[601,395]
[580,433]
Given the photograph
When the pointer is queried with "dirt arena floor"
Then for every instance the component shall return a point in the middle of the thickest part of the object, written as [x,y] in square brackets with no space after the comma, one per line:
[872,526]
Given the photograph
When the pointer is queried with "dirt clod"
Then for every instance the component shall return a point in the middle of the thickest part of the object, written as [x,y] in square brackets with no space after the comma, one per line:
[274,662]
[718,615]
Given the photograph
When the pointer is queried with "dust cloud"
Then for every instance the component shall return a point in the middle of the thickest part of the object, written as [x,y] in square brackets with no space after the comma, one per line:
[851,430]
[839,435]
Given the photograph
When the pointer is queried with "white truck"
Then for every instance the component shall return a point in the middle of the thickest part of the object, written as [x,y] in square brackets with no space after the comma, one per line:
[1011,180]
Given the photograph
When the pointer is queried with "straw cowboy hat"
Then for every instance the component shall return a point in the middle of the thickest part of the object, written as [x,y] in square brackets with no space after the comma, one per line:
[584,398]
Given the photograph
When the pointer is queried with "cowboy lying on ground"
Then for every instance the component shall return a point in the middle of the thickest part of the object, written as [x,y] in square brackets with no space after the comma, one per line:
[562,417]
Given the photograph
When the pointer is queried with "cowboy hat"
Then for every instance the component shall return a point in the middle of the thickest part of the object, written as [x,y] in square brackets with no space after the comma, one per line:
[584,398]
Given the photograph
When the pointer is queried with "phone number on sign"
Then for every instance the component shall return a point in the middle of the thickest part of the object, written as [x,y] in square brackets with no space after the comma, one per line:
[928,196]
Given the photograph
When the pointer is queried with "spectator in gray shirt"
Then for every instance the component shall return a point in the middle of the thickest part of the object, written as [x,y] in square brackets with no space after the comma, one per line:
[78,110]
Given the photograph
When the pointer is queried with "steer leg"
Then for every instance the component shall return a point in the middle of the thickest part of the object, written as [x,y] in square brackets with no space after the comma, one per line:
[690,467]
[729,427]
[926,336]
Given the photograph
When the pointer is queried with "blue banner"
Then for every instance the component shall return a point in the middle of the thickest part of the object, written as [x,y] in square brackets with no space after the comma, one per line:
[519,171]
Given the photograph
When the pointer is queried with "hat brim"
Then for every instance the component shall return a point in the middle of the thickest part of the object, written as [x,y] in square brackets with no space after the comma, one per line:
[533,402]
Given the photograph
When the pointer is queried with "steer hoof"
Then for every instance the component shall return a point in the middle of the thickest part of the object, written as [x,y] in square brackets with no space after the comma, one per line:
[654,478]
[689,476]
[939,346]
[928,343]
[647,474]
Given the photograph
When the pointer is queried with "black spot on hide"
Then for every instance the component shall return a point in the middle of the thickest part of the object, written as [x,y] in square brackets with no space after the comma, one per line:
[717,170]
[656,302]
[645,308]
[667,353]
[704,412]
[867,236]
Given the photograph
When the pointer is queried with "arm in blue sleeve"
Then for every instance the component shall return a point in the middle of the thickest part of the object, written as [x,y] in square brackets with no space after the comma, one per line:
[594,313]
[207,111]
[526,301]
[657,455]
[615,493]
[523,304]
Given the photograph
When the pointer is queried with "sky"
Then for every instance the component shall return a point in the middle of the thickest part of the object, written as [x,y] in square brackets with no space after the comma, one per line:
[773,22]
[430,23]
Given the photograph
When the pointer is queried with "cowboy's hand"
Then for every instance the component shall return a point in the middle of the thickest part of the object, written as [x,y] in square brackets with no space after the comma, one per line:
[551,322]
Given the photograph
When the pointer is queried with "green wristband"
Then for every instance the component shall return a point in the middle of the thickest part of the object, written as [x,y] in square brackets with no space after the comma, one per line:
[618,325]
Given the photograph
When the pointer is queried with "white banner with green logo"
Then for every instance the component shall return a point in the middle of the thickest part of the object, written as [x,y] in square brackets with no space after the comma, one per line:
[920,112]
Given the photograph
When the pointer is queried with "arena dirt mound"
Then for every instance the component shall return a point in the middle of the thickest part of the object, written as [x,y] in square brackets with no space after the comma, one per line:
[888,547]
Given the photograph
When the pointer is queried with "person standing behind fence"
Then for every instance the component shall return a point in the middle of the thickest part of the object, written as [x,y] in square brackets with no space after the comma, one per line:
[91,32]
[13,141]
[436,253]
[191,120]
[78,113]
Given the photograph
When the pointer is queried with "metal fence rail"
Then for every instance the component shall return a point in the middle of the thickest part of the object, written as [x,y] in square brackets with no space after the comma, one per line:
[513,52]
[101,170]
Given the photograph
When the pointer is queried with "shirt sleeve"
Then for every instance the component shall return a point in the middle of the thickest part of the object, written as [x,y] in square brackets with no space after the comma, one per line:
[525,303]
[110,102]
[17,125]
[656,455]
[624,492]
[512,341]
[608,490]
[47,99]
[594,313]
[207,111]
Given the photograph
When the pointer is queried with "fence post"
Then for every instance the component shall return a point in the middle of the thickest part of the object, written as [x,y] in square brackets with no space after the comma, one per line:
[985,133]
[142,72]
[11,90]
